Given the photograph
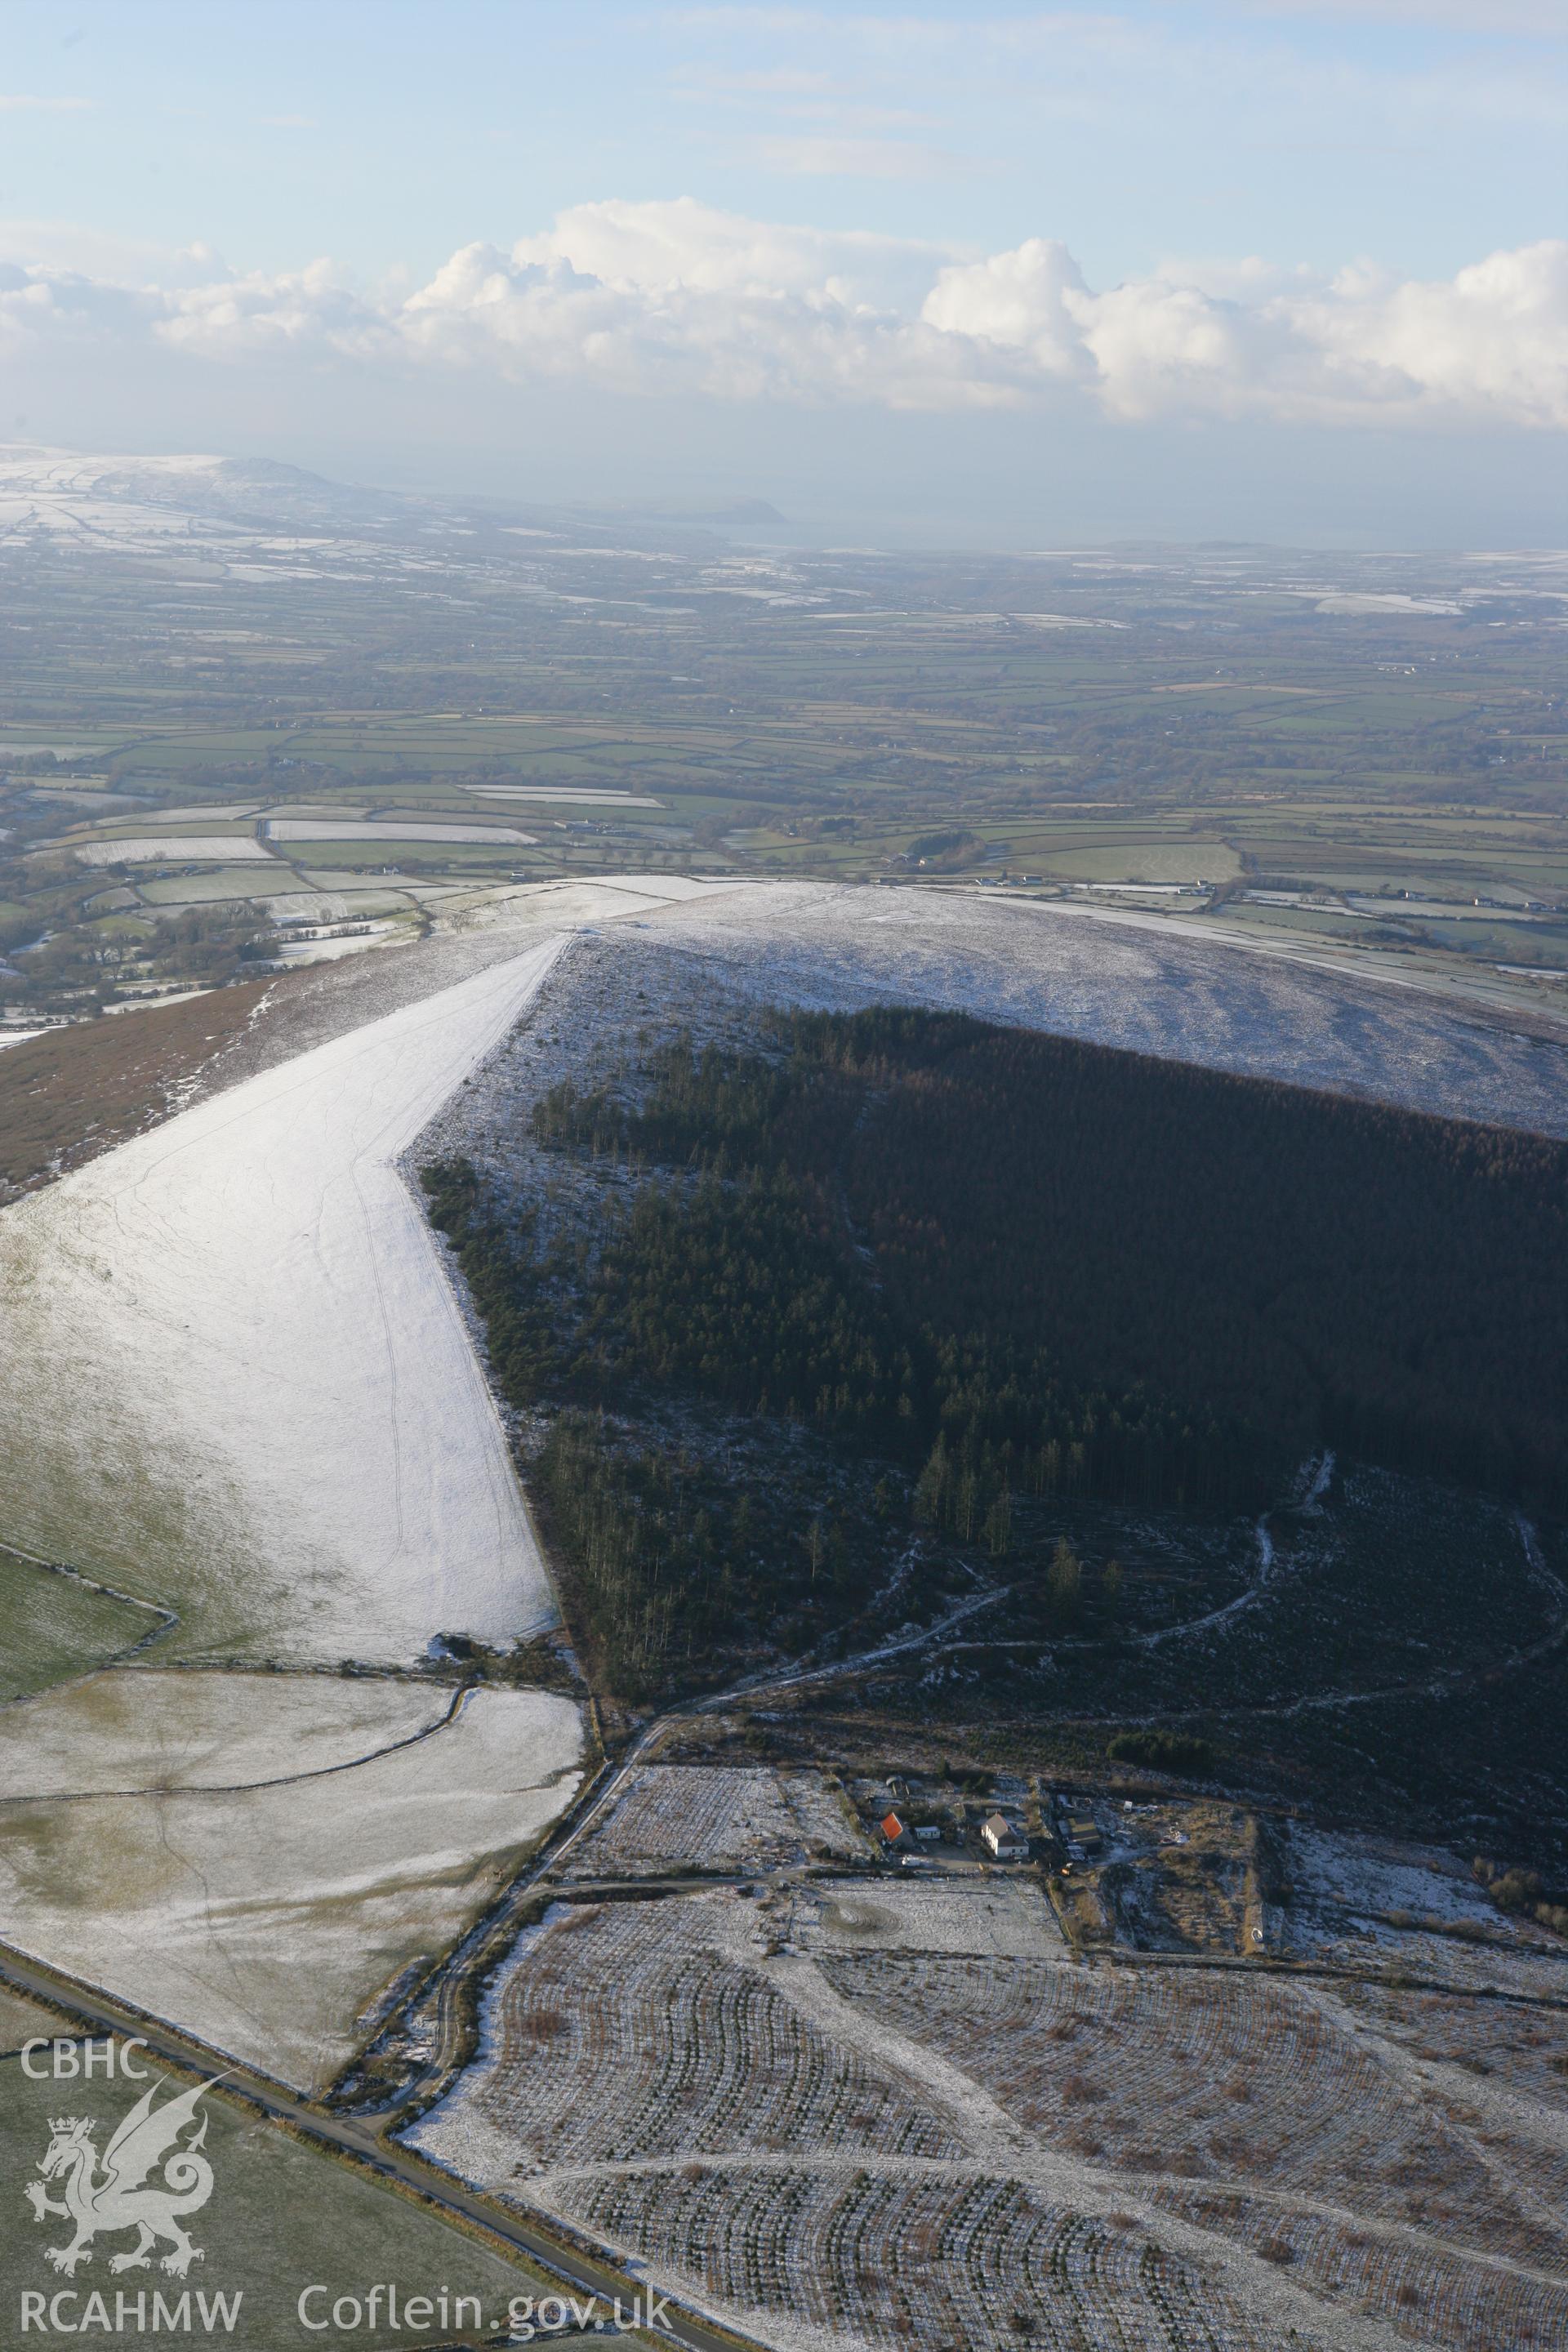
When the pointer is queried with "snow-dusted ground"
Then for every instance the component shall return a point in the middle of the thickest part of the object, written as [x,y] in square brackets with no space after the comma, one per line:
[141,1730]
[1371,1876]
[1116,983]
[265,1920]
[1007,1918]
[1370,1902]
[712,1817]
[239,1380]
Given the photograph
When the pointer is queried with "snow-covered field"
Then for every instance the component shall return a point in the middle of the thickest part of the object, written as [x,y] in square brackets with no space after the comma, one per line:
[139,1730]
[265,1918]
[239,1380]
[308,828]
[170,848]
[606,796]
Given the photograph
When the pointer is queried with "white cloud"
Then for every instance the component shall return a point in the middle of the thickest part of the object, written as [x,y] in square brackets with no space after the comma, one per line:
[16,102]
[679,300]
[680,245]
[1019,301]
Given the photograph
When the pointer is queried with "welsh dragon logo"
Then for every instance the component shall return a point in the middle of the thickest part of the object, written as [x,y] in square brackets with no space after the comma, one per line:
[122,2196]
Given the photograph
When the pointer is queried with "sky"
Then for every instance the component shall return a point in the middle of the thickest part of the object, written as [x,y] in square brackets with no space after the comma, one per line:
[1265,268]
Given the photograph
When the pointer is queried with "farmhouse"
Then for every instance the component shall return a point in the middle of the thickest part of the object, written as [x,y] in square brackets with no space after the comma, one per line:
[894,1827]
[1007,1844]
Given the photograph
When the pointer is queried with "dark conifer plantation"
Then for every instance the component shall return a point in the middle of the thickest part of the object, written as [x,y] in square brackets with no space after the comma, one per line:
[1011,1267]
[902,1215]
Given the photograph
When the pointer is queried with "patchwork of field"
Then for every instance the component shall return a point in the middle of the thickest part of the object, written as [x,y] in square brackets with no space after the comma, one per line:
[241,1384]
[686,1817]
[848,2111]
[260,1857]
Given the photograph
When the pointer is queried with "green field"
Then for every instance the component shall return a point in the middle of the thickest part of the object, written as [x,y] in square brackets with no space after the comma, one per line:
[54,1626]
[282,2216]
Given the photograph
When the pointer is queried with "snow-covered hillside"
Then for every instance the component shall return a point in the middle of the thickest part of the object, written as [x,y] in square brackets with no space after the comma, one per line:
[238,1378]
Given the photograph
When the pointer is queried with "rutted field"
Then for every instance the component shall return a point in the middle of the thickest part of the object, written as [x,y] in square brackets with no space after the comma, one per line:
[854,2252]
[627,2031]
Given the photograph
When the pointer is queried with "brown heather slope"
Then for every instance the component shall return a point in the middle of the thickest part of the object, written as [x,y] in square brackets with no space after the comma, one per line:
[74,1092]
[77,1091]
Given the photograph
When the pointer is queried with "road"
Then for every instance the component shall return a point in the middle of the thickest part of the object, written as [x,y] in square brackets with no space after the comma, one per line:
[361,2138]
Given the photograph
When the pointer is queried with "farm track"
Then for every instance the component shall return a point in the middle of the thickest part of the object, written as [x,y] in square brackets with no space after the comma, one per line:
[1322,1471]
